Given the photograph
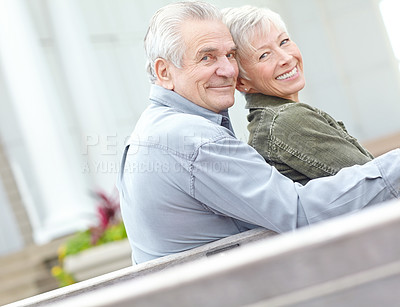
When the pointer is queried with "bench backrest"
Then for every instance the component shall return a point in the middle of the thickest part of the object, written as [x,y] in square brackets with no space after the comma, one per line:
[349,261]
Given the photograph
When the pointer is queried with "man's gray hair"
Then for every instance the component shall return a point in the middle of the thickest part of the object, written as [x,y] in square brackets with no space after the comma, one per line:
[247,21]
[164,35]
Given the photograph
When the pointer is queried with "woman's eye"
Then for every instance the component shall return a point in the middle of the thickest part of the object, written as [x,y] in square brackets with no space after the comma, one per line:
[264,55]
[285,41]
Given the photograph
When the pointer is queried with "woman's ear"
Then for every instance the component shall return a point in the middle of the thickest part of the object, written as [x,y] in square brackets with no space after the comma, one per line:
[163,73]
[243,85]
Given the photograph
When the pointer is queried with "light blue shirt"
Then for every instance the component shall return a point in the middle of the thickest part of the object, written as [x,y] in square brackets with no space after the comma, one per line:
[186,180]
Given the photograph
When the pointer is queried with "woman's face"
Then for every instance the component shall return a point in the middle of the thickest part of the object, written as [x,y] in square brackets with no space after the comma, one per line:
[275,68]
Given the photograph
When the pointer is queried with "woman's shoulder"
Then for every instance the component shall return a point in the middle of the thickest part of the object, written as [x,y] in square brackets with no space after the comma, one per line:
[300,110]
[258,103]
[289,118]
[288,112]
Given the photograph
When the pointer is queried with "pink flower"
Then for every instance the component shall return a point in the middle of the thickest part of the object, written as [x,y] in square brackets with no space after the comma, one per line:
[108,211]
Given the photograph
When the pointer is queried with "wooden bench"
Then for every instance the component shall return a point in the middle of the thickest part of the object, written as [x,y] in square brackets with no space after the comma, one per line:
[352,260]
[129,273]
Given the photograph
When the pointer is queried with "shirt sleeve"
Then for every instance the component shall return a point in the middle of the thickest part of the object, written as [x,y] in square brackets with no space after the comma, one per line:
[232,179]
[312,143]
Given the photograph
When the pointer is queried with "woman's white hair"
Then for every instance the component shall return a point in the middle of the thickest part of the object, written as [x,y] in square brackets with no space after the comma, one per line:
[164,35]
[247,21]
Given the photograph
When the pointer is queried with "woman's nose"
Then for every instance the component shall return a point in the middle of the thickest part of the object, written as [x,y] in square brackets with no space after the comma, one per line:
[284,57]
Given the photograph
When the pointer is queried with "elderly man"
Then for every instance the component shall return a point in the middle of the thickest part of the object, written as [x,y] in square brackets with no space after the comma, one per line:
[186,180]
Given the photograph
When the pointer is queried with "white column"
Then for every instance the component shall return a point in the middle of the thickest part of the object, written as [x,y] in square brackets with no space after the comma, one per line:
[89,95]
[10,236]
[60,203]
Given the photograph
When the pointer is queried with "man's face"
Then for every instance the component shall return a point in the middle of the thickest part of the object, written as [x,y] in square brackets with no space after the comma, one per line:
[209,71]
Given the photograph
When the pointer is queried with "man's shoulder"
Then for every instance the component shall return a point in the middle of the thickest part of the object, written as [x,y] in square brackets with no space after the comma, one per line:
[165,119]
[169,128]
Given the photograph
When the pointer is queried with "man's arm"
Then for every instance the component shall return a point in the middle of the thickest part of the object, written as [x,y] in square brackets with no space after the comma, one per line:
[232,179]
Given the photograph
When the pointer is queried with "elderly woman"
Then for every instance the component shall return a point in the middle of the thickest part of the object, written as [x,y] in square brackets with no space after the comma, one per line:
[302,142]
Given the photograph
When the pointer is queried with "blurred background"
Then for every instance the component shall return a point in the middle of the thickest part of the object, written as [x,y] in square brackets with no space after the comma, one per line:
[73,84]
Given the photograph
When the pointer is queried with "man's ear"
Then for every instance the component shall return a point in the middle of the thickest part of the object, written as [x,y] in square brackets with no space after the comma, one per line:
[163,73]
[243,85]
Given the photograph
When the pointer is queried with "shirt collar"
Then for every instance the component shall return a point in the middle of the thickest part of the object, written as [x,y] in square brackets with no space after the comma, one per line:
[255,101]
[162,96]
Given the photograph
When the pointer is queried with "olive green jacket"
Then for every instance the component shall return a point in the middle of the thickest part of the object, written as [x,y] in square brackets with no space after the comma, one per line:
[302,142]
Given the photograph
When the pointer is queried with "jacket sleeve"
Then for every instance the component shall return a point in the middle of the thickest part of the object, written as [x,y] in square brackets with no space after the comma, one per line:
[313,143]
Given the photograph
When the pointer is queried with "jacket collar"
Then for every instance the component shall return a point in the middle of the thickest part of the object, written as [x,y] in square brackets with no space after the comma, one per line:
[258,101]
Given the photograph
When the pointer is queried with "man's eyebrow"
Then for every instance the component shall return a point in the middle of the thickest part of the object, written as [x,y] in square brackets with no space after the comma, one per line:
[211,49]
[206,50]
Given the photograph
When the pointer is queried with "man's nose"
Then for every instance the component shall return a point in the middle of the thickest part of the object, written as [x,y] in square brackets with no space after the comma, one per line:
[226,67]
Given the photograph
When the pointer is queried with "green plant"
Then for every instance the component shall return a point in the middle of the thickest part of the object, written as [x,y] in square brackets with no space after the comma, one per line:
[63,277]
[110,228]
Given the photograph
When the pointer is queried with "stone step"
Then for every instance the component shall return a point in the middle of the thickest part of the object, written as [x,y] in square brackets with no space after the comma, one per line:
[27,273]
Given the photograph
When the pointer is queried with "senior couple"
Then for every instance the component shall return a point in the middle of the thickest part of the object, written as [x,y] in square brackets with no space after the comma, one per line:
[197,56]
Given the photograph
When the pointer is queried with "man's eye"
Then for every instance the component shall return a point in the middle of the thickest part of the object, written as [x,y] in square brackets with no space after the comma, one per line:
[205,58]
[264,55]
[230,55]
